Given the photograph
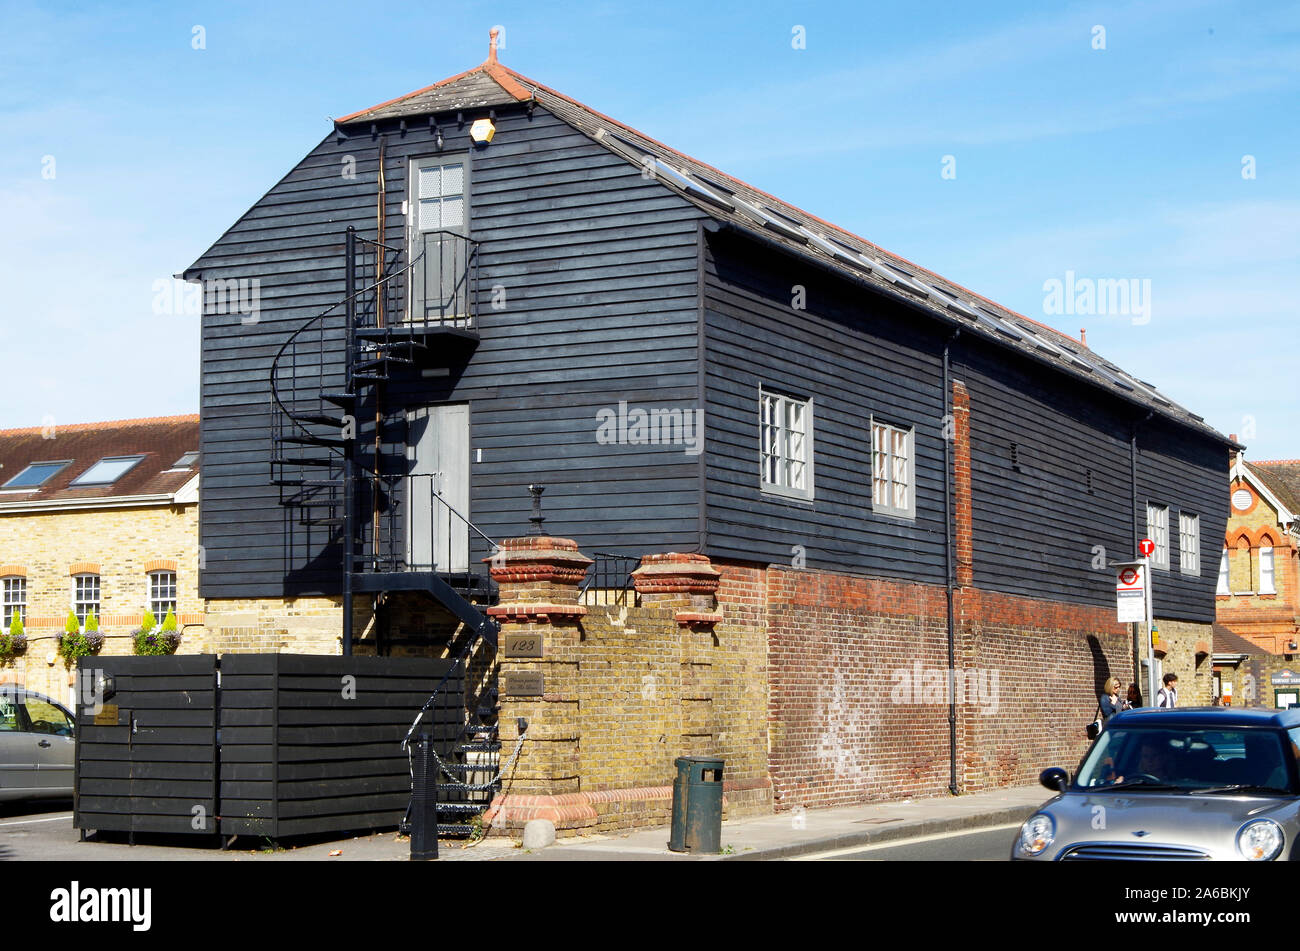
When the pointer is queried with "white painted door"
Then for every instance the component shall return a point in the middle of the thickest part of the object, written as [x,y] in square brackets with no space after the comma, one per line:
[438,488]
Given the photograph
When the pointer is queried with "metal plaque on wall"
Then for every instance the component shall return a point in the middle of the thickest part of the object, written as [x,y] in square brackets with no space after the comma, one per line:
[524,683]
[523,645]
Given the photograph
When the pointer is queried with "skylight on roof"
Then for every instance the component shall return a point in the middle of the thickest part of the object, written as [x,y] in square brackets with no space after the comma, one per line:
[107,471]
[1123,384]
[35,475]
[768,221]
[186,461]
[998,325]
[686,183]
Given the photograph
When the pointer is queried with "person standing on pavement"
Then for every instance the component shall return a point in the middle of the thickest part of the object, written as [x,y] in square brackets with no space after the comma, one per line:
[1134,699]
[1167,696]
[1110,701]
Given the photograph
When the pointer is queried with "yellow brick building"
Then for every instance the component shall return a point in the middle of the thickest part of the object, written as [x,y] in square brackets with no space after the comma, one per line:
[102,519]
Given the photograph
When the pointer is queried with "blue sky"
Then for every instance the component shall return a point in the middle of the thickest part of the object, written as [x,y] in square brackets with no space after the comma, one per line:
[1117,163]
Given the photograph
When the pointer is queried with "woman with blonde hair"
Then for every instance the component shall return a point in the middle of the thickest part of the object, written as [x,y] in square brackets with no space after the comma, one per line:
[1111,704]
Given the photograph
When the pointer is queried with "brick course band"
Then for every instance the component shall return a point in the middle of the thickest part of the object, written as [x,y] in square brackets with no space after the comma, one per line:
[536,612]
[696,619]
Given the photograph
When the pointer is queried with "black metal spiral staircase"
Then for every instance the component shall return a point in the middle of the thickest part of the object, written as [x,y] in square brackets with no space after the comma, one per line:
[348,490]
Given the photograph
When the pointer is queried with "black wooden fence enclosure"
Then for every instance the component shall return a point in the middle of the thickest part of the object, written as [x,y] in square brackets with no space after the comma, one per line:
[271,745]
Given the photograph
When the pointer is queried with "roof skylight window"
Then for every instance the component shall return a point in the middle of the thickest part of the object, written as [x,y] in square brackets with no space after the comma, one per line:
[186,461]
[35,475]
[1001,327]
[107,471]
[686,183]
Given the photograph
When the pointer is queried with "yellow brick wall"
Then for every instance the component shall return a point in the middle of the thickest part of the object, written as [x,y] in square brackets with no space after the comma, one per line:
[122,542]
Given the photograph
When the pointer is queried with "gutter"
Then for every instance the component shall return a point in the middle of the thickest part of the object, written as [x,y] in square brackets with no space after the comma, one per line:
[119,502]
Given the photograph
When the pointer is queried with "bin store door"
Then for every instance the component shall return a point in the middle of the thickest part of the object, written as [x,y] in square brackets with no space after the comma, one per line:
[147,753]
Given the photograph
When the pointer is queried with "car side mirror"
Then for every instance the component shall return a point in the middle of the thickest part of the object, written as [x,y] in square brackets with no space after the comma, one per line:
[1054,778]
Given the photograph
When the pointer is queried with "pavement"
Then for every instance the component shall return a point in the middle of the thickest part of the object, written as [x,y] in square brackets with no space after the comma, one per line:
[788,835]
[785,835]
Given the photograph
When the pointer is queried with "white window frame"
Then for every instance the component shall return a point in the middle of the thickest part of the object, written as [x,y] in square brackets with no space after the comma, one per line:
[1223,574]
[156,602]
[781,448]
[79,604]
[14,595]
[893,477]
[1189,543]
[1158,532]
[1267,577]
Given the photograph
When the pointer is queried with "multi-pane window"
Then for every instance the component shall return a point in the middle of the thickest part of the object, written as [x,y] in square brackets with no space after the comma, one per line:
[15,599]
[85,597]
[1158,532]
[441,197]
[1223,574]
[892,470]
[1266,582]
[1189,543]
[787,435]
[162,594]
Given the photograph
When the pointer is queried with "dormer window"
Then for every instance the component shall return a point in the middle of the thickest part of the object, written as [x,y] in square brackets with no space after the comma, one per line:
[107,471]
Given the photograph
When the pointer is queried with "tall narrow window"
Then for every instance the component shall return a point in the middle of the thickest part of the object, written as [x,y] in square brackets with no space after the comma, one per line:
[786,425]
[15,599]
[1158,532]
[162,594]
[1189,543]
[1266,584]
[892,470]
[1223,574]
[85,597]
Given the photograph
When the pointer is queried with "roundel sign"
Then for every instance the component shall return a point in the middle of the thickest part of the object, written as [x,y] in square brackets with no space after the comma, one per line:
[1147,547]
[1129,576]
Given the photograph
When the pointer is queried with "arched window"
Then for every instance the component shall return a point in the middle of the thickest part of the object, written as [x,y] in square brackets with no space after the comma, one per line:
[1223,574]
[1242,571]
[1266,582]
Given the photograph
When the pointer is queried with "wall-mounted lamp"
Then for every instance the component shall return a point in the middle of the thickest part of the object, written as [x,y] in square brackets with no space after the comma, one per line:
[482,130]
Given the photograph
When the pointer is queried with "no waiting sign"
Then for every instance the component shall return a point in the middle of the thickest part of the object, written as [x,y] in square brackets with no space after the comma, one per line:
[1130,593]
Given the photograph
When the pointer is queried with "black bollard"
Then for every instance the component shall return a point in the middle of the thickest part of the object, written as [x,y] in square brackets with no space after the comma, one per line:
[424,798]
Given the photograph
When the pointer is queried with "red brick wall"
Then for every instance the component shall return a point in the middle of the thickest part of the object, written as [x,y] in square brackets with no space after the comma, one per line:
[854,663]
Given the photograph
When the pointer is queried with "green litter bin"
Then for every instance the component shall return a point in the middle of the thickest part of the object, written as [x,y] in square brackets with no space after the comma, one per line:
[697,805]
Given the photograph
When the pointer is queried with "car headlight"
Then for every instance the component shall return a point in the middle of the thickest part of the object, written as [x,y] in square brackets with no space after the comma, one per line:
[1261,840]
[1037,834]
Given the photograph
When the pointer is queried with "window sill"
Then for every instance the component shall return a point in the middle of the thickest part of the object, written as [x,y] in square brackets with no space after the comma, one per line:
[773,494]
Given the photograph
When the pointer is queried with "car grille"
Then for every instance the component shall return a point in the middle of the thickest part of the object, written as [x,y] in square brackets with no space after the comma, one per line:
[1126,852]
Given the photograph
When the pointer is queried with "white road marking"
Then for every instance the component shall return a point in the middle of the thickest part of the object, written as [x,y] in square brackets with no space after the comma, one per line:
[23,822]
[895,843]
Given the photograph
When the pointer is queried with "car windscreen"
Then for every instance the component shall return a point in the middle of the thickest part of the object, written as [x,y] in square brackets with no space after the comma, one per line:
[1186,758]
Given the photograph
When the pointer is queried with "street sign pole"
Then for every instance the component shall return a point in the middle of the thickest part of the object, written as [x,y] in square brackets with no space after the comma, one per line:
[1151,654]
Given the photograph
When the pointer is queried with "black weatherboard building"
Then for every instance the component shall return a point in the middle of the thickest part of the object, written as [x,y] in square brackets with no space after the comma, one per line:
[485,284]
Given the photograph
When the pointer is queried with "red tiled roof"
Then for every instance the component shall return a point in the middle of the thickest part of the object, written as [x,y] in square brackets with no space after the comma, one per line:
[162,440]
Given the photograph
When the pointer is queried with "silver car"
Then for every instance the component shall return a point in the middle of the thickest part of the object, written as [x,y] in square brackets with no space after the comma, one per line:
[1184,784]
[37,746]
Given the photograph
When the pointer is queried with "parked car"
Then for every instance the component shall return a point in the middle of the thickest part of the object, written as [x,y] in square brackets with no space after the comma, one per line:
[1191,784]
[37,746]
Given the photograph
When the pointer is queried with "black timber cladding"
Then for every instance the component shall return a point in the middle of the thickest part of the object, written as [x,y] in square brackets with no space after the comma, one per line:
[620,295]
[597,266]
[146,758]
[857,356]
[313,744]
